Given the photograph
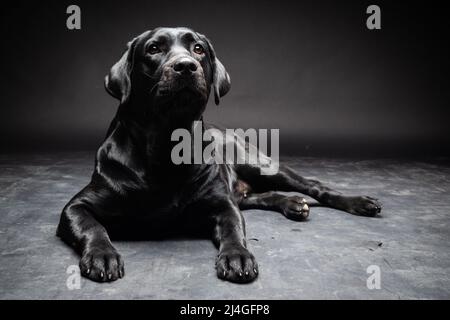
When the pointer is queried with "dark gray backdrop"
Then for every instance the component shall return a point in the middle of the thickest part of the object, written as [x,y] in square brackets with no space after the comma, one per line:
[309,68]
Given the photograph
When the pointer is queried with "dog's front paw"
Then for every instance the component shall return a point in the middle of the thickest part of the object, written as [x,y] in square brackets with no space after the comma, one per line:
[364,206]
[295,208]
[102,264]
[236,265]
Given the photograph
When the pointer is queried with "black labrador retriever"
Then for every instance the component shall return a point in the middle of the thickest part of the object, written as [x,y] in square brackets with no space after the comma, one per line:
[163,82]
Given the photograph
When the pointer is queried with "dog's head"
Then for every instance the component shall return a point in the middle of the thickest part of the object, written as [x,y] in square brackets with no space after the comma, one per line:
[171,70]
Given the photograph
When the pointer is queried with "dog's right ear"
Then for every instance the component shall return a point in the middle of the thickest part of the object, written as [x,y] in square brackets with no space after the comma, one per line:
[118,82]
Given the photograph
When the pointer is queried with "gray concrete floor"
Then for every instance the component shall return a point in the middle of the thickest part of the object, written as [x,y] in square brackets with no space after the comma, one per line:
[324,258]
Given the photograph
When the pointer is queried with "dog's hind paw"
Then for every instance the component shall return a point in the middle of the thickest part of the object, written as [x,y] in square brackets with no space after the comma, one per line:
[295,208]
[364,206]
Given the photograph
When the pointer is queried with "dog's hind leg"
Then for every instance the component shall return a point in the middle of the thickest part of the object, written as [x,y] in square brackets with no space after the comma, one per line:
[289,181]
[292,207]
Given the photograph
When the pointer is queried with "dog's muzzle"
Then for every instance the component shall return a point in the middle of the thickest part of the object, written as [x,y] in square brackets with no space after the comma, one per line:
[182,72]
[185,67]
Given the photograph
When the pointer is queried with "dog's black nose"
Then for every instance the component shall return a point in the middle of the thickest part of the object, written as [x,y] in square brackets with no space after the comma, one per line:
[185,66]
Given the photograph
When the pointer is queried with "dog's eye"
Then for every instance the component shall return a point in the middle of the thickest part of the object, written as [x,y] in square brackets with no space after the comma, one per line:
[198,49]
[154,49]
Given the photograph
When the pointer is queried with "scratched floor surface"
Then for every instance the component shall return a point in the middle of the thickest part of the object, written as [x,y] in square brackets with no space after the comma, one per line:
[324,258]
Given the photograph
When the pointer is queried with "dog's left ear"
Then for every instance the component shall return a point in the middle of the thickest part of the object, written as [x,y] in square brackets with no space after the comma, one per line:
[221,79]
[118,82]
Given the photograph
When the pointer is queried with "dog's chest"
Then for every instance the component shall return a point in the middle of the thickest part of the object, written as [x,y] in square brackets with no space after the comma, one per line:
[170,194]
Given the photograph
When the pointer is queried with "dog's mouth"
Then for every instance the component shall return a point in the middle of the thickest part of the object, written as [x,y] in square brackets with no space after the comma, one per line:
[182,99]
[181,88]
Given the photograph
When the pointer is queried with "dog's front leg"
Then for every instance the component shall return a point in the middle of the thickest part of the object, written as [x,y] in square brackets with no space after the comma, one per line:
[78,227]
[234,262]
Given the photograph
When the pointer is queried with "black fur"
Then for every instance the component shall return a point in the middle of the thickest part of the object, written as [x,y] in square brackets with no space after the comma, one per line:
[137,192]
